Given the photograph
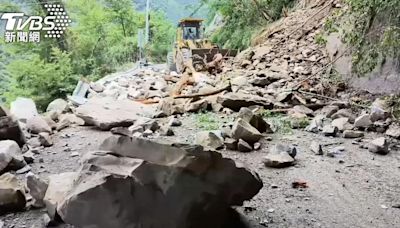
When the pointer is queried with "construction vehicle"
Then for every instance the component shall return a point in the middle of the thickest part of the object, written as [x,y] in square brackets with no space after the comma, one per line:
[191,48]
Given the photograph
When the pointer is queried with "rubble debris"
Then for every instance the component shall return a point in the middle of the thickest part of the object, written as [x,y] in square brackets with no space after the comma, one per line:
[243,146]
[58,188]
[393,131]
[231,144]
[316,148]
[280,156]
[363,121]
[106,113]
[379,110]
[330,130]
[12,194]
[23,109]
[10,156]
[10,128]
[58,106]
[236,101]
[379,146]
[255,120]
[45,139]
[243,130]
[342,124]
[37,189]
[349,134]
[140,163]
[209,139]
[38,125]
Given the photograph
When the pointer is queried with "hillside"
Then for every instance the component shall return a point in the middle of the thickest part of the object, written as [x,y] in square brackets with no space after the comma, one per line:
[174,9]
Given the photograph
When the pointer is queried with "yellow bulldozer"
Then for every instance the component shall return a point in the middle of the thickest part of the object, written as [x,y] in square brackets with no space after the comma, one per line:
[191,48]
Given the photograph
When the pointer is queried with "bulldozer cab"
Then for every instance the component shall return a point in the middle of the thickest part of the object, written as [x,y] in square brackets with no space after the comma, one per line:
[191,29]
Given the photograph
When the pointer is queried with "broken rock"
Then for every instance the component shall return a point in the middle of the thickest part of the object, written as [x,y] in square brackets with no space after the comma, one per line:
[379,146]
[23,109]
[236,101]
[10,128]
[280,156]
[10,156]
[243,130]
[155,174]
[12,194]
[45,139]
[255,120]
[231,144]
[38,125]
[209,139]
[330,130]
[59,106]
[363,121]
[106,113]
[316,148]
[37,189]
[244,146]
[393,131]
[342,124]
[349,134]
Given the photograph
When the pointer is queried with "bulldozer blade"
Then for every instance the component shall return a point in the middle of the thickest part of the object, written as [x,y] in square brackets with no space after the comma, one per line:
[210,53]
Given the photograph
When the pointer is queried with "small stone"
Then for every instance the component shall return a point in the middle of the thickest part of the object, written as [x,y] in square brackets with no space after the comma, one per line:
[147,133]
[231,144]
[166,131]
[271,210]
[24,170]
[330,130]
[393,131]
[384,207]
[379,146]
[244,146]
[74,154]
[45,139]
[342,124]
[316,148]
[279,157]
[174,122]
[363,121]
[29,157]
[349,134]
[257,146]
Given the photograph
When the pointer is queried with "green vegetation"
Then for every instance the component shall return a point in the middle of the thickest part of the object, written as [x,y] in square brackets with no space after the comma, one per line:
[103,37]
[283,123]
[208,121]
[244,18]
[374,32]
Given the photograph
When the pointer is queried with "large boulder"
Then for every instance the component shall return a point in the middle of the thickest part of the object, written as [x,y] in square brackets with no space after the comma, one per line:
[243,130]
[23,109]
[106,113]
[57,189]
[10,156]
[12,194]
[9,128]
[59,106]
[38,125]
[236,101]
[141,183]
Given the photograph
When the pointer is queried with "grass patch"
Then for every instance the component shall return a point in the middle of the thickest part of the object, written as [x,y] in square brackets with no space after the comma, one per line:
[282,123]
[208,121]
